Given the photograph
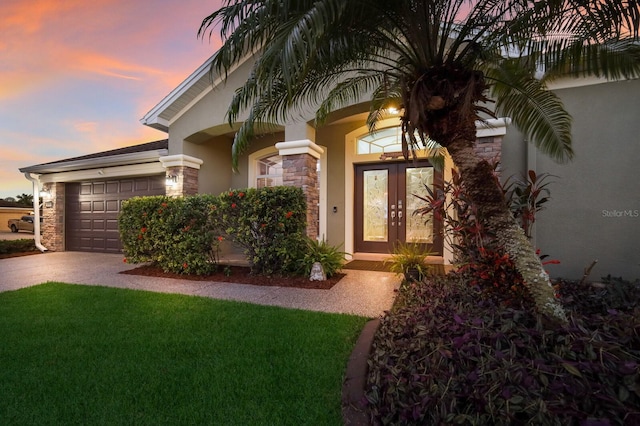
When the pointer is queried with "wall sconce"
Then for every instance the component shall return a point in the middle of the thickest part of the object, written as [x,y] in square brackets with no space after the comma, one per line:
[45,193]
[172,180]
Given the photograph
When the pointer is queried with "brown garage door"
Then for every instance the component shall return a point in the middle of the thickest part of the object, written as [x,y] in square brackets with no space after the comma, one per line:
[92,209]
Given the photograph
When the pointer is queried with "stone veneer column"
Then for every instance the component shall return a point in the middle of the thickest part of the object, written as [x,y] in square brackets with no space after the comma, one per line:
[299,169]
[53,216]
[490,134]
[185,171]
[489,148]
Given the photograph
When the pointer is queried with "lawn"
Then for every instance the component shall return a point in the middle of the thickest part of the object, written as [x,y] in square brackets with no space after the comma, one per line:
[74,354]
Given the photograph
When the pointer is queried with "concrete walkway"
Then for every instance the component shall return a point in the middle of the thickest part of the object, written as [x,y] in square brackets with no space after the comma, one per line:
[363,293]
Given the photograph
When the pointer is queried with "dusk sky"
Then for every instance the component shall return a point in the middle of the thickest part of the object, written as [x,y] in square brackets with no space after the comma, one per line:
[76,76]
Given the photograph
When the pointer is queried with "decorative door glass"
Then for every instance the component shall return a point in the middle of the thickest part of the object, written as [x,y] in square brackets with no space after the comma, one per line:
[376,200]
[416,179]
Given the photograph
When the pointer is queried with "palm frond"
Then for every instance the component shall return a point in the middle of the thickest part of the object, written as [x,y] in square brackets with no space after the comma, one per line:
[536,111]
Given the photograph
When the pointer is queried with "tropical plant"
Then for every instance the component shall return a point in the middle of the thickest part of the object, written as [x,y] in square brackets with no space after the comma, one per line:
[527,197]
[409,260]
[25,199]
[439,61]
[330,257]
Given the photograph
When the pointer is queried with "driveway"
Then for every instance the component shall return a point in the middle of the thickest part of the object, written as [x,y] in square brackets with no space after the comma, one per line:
[365,293]
[8,235]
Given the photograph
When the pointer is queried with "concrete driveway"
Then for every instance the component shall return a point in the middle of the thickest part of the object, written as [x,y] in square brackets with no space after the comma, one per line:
[365,293]
[8,235]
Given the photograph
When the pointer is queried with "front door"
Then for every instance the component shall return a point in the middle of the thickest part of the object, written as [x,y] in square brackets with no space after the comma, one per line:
[385,204]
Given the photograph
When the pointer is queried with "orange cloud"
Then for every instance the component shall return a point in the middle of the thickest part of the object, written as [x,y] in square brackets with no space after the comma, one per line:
[140,50]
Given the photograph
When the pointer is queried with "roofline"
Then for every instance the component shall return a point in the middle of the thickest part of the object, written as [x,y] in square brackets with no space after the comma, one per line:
[98,162]
[153,119]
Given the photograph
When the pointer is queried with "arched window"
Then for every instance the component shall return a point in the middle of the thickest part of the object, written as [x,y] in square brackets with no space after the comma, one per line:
[269,171]
[382,141]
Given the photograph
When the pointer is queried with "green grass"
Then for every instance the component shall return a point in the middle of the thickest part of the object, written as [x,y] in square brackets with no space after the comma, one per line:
[74,354]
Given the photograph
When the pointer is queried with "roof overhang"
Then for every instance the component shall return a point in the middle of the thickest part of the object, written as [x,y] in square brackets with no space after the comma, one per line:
[183,97]
[97,162]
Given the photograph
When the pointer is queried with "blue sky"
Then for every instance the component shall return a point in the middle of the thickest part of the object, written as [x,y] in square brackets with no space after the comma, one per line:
[77,76]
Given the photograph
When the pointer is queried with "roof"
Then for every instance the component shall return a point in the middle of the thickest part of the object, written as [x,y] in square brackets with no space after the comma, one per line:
[142,153]
[191,90]
[14,204]
[198,83]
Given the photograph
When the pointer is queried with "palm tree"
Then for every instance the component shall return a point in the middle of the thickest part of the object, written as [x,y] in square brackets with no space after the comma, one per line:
[446,64]
[25,199]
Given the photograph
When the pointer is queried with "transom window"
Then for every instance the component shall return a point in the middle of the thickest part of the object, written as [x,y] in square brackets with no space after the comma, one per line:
[269,171]
[382,141]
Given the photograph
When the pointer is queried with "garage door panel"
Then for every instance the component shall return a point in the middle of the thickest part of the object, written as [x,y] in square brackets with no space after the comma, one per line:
[85,189]
[112,206]
[98,188]
[141,185]
[112,188]
[159,186]
[97,206]
[92,210]
[126,186]
[85,225]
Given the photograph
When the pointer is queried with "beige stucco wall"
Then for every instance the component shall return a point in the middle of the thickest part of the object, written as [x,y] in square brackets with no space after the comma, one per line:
[594,212]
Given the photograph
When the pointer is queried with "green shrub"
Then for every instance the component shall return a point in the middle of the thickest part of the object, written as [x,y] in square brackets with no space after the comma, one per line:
[182,235]
[176,234]
[409,260]
[447,355]
[330,257]
[17,246]
[268,223]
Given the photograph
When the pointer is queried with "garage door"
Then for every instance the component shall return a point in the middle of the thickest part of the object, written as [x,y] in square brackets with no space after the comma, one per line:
[92,208]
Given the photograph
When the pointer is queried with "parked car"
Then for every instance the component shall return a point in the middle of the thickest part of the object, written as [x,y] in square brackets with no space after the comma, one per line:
[25,223]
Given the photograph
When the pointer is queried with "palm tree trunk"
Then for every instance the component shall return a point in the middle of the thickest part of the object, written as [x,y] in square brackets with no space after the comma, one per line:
[491,205]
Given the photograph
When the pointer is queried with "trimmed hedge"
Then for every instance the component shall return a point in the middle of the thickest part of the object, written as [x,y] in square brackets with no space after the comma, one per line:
[268,223]
[176,234]
[182,235]
[22,245]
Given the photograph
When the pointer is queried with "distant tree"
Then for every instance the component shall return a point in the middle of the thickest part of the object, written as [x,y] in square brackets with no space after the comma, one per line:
[10,199]
[25,199]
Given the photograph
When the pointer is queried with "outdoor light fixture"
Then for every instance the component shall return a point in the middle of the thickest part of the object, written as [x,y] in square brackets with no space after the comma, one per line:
[45,193]
[172,180]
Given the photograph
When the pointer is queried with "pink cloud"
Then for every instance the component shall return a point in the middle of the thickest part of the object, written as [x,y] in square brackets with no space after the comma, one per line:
[60,57]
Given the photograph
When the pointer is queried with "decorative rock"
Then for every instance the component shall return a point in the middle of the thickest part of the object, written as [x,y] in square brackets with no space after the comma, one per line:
[317,273]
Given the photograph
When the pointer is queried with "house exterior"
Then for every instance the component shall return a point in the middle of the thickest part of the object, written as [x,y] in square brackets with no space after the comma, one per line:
[358,188]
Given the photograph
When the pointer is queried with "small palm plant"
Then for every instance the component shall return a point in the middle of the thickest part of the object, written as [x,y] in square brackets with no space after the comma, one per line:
[330,257]
[409,259]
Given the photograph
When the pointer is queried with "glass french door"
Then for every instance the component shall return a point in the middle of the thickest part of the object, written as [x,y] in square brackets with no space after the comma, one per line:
[385,203]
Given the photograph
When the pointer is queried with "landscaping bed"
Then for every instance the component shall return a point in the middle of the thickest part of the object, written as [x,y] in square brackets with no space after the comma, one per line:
[15,248]
[240,275]
[451,353]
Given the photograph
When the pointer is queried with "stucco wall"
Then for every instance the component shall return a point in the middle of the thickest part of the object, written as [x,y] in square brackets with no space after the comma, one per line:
[594,212]
[332,137]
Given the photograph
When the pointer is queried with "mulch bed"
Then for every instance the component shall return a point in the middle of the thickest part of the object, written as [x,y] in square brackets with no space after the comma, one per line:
[24,253]
[239,275]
